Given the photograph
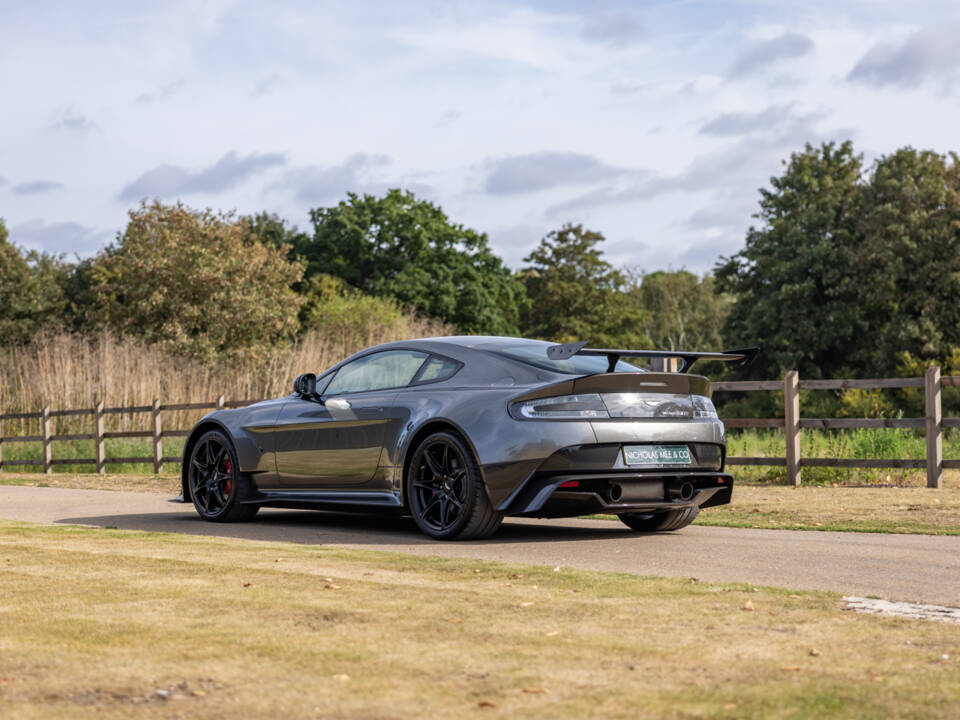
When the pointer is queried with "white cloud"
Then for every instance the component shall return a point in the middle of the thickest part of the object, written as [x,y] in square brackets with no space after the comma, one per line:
[172,181]
[67,238]
[764,54]
[927,53]
[513,117]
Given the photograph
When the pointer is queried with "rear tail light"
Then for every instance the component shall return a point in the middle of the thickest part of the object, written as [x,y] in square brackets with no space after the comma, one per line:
[596,406]
[565,407]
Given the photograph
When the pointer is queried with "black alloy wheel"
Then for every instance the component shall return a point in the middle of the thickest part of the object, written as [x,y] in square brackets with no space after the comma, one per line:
[216,485]
[446,492]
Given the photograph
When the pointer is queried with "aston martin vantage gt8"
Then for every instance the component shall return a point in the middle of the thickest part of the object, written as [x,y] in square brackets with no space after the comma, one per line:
[460,432]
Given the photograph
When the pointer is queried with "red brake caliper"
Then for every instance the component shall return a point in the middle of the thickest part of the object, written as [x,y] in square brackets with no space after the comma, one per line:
[226,489]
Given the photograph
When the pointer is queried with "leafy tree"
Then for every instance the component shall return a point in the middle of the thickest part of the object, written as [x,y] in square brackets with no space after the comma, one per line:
[852,273]
[909,263]
[31,296]
[574,294]
[349,318]
[795,282]
[398,246]
[270,229]
[680,310]
[197,283]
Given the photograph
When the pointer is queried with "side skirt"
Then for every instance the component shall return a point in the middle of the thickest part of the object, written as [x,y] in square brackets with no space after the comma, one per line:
[328,500]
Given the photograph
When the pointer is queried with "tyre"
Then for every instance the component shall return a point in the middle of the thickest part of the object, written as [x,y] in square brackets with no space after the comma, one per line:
[446,493]
[216,484]
[661,521]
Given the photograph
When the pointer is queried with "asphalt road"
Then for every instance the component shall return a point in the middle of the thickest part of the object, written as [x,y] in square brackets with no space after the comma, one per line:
[916,568]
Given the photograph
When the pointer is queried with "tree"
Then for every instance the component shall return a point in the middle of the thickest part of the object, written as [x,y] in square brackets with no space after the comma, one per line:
[398,246]
[852,273]
[680,310]
[910,262]
[197,283]
[574,294]
[795,281]
[270,229]
[31,295]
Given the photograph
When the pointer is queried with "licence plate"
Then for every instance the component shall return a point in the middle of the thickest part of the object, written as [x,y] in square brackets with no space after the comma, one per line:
[657,455]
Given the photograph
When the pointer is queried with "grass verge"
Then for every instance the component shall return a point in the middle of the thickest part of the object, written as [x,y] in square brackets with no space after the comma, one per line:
[861,509]
[167,484]
[127,624]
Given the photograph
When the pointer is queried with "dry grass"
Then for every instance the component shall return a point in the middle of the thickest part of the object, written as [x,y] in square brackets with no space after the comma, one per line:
[74,371]
[98,621]
[164,484]
[888,510]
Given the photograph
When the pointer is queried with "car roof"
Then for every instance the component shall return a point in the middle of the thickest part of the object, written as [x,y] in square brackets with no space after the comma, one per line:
[463,349]
[471,341]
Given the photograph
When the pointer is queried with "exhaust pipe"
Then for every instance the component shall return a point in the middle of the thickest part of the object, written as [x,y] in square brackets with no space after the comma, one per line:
[683,491]
[636,491]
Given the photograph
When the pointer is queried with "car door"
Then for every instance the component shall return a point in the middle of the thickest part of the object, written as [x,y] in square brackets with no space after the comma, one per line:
[336,440]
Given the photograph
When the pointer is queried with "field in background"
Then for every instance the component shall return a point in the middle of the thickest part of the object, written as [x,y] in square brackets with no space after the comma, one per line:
[215,628]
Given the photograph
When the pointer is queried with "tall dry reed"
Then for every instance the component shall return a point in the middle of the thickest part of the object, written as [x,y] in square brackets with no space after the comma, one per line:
[69,371]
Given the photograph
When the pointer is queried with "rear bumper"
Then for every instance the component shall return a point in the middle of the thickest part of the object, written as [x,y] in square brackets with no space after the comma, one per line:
[614,493]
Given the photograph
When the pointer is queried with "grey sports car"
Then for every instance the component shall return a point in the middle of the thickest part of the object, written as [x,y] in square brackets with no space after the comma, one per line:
[459,432]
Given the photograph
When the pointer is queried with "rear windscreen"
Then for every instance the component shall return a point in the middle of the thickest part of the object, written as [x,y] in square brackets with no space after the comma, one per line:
[536,355]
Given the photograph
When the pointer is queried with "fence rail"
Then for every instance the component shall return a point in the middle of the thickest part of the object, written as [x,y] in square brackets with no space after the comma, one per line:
[933,423]
[156,433]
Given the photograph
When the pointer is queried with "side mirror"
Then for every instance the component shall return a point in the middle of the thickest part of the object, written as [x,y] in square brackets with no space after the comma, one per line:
[305,385]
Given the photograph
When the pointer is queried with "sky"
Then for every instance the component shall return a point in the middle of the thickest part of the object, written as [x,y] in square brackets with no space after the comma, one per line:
[654,123]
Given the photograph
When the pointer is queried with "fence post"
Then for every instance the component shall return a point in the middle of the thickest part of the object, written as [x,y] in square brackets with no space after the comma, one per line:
[100,451]
[934,417]
[1,438]
[669,364]
[157,439]
[791,425]
[221,402]
[47,449]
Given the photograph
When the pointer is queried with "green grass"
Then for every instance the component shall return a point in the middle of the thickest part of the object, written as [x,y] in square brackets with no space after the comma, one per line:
[116,448]
[885,443]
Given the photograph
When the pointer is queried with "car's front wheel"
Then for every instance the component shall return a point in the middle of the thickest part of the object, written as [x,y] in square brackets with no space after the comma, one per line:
[661,521]
[446,493]
[216,484]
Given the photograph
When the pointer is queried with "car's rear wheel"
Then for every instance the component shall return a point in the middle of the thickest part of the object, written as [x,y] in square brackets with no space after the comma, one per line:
[661,521]
[216,484]
[446,493]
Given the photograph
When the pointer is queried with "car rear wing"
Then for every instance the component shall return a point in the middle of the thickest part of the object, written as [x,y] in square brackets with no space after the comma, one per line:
[741,356]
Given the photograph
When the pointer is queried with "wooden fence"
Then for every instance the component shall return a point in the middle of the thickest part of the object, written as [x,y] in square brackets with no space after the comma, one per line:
[156,433]
[933,423]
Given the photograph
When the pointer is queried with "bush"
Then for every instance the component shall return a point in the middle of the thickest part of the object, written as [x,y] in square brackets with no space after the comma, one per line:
[197,284]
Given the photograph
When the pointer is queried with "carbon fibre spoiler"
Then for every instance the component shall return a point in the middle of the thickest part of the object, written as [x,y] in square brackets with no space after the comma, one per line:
[741,356]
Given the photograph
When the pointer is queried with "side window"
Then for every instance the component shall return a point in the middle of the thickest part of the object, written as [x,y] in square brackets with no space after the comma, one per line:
[438,368]
[382,370]
[322,383]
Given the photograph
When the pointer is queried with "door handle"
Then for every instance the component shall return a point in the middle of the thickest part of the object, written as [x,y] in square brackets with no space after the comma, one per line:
[338,404]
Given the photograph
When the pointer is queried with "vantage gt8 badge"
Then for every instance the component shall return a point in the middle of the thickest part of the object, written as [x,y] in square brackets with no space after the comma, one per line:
[657,455]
